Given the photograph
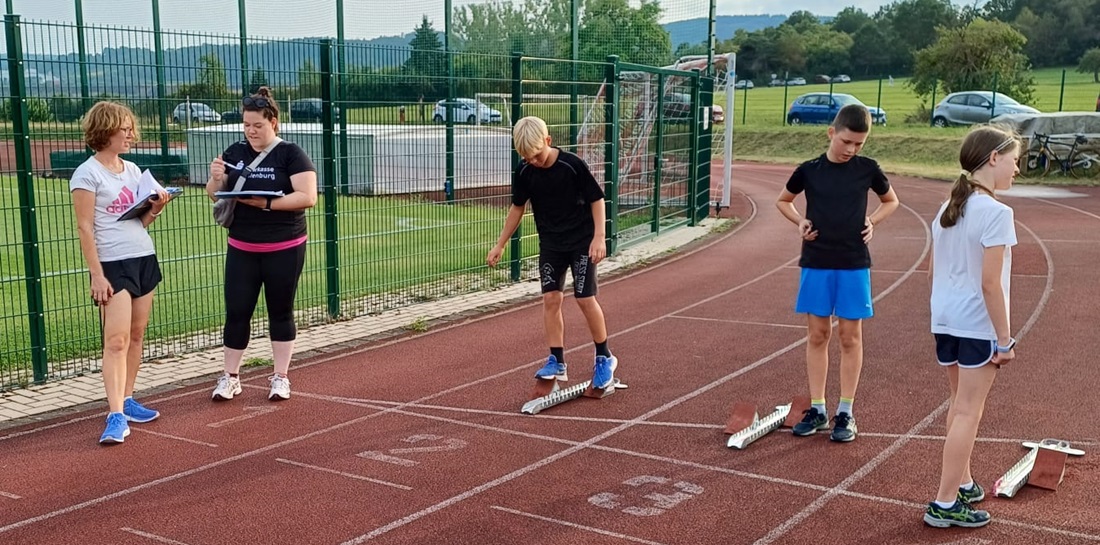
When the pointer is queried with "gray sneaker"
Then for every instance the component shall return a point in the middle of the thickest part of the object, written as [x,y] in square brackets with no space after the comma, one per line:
[844,428]
[811,423]
[280,388]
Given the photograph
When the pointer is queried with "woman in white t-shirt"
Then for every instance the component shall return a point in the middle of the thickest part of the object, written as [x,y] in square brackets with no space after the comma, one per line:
[119,254]
[970,269]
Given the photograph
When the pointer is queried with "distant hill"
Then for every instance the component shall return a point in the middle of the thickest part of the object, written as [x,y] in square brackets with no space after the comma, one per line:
[693,31]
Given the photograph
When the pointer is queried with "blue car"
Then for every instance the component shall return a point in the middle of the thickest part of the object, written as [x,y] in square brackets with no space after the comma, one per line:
[822,108]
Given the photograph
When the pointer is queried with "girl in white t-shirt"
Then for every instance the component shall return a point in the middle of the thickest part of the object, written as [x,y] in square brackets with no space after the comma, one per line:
[122,263]
[970,269]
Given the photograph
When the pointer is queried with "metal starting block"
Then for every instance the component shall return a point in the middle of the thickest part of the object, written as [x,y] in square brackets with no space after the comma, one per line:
[1044,466]
[759,427]
[558,395]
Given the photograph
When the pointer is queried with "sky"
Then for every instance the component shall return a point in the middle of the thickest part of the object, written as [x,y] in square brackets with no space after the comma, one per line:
[364,18]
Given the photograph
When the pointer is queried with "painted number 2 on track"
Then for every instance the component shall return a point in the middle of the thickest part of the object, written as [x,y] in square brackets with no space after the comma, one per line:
[394,456]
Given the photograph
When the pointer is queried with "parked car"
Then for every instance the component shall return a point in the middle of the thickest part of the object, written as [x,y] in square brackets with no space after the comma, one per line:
[232,116]
[822,78]
[743,84]
[199,112]
[465,110]
[796,81]
[969,107]
[308,110]
[842,78]
[822,108]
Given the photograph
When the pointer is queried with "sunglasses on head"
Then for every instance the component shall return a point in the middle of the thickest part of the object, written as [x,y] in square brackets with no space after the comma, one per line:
[255,102]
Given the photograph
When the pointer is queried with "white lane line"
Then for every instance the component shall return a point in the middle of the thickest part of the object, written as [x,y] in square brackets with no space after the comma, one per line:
[575,525]
[343,474]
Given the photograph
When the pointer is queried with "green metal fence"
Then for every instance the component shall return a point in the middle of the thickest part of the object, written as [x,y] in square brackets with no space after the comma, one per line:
[413,186]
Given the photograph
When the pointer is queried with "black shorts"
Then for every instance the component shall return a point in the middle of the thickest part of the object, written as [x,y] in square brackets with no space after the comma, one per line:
[969,353]
[554,264]
[137,275]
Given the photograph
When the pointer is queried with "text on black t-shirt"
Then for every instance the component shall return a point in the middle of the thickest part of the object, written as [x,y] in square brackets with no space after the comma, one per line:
[251,224]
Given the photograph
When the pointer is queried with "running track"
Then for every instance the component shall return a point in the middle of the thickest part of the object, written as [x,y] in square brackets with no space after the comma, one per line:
[420,440]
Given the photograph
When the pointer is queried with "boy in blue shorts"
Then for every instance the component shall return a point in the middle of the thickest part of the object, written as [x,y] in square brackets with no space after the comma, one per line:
[836,264]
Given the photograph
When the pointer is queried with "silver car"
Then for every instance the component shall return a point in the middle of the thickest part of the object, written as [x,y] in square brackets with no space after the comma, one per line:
[970,107]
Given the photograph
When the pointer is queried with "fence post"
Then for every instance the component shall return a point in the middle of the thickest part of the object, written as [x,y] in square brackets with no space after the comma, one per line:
[611,153]
[449,184]
[786,77]
[702,193]
[162,107]
[1062,90]
[517,113]
[878,104]
[342,97]
[993,105]
[932,109]
[328,177]
[574,26]
[658,156]
[82,57]
[242,18]
[20,124]
[744,103]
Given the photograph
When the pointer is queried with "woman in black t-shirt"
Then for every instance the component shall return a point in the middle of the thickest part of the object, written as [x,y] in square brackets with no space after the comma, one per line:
[267,239]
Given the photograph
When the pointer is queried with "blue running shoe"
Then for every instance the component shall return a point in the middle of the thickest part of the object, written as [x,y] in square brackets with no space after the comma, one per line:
[136,412]
[117,429]
[972,496]
[553,369]
[603,374]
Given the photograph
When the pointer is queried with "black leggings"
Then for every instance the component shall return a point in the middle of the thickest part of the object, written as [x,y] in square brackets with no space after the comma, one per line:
[245,273]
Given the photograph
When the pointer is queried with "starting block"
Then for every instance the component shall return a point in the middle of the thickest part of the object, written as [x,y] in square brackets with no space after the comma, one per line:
[799,405]
[1044,466]
[759,427]
[742,416]
[558,395]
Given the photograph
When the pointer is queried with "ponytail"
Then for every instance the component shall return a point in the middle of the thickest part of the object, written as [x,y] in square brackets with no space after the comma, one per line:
[960,193]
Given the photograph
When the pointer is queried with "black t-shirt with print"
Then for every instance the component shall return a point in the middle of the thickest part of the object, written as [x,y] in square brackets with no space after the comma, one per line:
[561,197]
[836,203]
[251,224]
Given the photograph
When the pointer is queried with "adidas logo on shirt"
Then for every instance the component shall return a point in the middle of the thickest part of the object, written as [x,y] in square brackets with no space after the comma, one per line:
[124,201]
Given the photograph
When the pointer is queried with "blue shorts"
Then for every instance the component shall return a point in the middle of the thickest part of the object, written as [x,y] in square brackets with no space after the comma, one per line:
[964,352]
[843,292]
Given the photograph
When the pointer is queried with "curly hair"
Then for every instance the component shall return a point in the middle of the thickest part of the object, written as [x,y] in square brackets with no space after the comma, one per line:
[103,120]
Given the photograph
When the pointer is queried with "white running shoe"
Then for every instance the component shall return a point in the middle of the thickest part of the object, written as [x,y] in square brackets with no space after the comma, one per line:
[227,388]
[280,388]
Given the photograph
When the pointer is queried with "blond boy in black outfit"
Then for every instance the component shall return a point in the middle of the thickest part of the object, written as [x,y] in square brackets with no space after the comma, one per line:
[568,205]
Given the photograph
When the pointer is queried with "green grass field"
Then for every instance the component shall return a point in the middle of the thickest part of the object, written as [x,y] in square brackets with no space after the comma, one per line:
[392,250]
[767,106]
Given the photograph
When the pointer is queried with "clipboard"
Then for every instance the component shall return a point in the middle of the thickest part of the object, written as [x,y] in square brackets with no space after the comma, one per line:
[248,193]
[146,193]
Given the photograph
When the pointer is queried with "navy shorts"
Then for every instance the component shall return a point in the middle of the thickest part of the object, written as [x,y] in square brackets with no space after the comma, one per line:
[964,352]
[843,292]
[553,266]
[137,275]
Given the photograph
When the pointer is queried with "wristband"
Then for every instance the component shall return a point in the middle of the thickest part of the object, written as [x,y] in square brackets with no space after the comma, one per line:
[1007,349]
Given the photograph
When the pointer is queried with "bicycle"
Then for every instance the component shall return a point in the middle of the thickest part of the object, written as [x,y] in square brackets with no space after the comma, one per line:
[1077,163]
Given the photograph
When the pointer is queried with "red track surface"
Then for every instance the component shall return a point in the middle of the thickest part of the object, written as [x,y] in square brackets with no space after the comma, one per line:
[708,327]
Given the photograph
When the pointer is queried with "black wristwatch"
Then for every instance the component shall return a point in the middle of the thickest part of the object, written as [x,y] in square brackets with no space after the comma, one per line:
[267,207]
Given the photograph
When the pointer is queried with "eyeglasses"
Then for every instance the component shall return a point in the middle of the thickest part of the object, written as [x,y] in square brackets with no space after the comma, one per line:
[257,102]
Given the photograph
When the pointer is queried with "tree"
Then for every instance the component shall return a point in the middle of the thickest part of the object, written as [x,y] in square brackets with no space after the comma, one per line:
[1090,62]
[612,27]
[802,21]
[258,79]
[309,80]
[850,20]
[973,58]
[212,77]
[913,25]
